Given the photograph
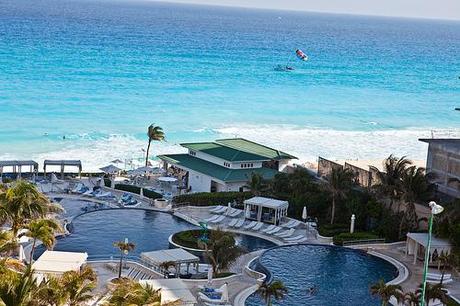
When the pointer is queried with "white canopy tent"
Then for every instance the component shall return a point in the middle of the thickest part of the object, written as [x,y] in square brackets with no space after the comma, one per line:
[62,164]
[172,290]
[416,245]
[16,166]
[178,256]
[266,209]
[56,263]
[110,169]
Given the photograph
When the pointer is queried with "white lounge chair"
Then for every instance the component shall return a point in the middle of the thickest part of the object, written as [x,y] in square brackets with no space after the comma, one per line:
[233,222]
[218,209]
[77,188]
[437,276]
[250,225]
[218,219]
[268,228]
[239,223]
[275,230]
[437,281]
[235,213]
[102,194]
[211,218]
[291,224]
[294,238]
[286,234]
[305,239]
[258,226]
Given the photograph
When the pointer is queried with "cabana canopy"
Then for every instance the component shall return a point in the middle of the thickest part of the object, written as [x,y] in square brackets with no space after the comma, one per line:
[178,256]
[18,164]
[56,263]
[266,209]
[172,289]
[110,169]
[416,244]
[62,164]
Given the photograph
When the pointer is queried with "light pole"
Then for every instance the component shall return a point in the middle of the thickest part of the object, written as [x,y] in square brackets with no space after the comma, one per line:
[435,209]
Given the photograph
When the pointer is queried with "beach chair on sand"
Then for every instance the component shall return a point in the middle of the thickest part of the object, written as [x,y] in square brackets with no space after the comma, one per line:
[258,226]
[275,230]
[286,234]
[250,225]
[239,223]
[268,228]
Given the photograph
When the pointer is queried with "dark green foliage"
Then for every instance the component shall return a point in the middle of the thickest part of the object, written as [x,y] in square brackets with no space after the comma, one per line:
[340,238]
[137,190]
[212,198]
[330,230]
[107,182]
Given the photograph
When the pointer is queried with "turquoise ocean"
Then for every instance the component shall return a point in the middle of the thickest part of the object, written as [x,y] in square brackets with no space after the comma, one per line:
[99,72]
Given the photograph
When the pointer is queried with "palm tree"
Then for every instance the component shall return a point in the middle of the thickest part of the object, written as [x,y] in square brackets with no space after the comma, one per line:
[338,183]
[412,298]
[17,288]
[256,184]
[125,247]
[154,133]
[389,180]
[385,292]
[43,230]
[7,242]
[445,261]
[23,202]
[77,285]
[415,186]
[221,250]
[275,289]
[433,292]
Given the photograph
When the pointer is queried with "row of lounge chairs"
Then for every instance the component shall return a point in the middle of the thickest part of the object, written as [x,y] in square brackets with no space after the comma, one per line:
[95,192]
[284,231]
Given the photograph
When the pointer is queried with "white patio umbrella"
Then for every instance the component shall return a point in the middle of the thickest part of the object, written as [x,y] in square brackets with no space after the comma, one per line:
[248,212]
[22,255]
[304,213]
[210,275]
[110,169]
[225,292]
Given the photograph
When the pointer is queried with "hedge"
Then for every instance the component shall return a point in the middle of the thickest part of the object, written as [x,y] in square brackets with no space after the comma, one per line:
[189,239]
[212,198]
[331,230]
[137,190]
[340,238]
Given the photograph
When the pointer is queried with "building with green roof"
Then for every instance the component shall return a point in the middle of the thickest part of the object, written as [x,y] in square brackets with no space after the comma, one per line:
[226,164]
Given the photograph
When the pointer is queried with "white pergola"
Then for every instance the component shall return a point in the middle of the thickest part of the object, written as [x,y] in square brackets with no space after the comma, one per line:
[17,165]
[416,243]
[56,263]
[265,209]
[178,256]
[62,164]
[172,290]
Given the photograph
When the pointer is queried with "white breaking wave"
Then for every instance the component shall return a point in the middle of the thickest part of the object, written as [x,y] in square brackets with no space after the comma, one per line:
[304,142]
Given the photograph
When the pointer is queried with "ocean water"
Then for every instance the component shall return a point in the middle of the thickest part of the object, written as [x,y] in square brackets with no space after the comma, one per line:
[99,72]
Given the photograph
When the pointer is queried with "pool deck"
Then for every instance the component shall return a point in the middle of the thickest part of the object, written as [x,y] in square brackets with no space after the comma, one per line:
[242,283]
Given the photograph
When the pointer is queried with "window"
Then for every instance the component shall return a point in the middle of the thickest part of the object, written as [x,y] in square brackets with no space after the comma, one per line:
[193,153]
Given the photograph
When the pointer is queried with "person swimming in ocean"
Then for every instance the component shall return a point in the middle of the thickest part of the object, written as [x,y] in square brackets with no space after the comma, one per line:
[312,290]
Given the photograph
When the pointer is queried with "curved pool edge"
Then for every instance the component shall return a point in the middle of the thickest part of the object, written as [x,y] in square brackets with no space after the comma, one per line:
[403,271]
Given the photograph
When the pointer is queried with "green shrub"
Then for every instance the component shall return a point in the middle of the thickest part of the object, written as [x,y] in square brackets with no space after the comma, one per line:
[330,230]
[212,198]
[151,194]
[128,188]
[340,238]
[188,239]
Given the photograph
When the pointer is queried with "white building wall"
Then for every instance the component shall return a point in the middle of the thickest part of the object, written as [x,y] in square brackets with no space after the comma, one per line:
[199,182]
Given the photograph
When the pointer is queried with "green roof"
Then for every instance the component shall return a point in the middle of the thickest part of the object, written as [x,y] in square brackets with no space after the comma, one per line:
[254,148]
[216,171]
[223,152]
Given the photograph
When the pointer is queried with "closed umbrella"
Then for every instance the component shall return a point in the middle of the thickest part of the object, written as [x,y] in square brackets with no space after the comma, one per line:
[224,293]
[304,213]
[210,275]
[248,212]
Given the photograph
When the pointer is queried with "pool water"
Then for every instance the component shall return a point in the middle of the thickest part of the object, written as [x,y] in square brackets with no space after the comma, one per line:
[341,276]
[95,232]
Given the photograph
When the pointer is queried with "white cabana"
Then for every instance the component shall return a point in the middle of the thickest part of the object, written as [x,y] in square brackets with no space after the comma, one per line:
[178,256]
[110,169]
[56,263]
[17,166]
[172,289]
[416,245]
[266,209]
[62,164]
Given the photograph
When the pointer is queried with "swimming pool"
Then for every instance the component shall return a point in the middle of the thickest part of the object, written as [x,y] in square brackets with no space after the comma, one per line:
[95,232]
[73,207]
[341,276]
